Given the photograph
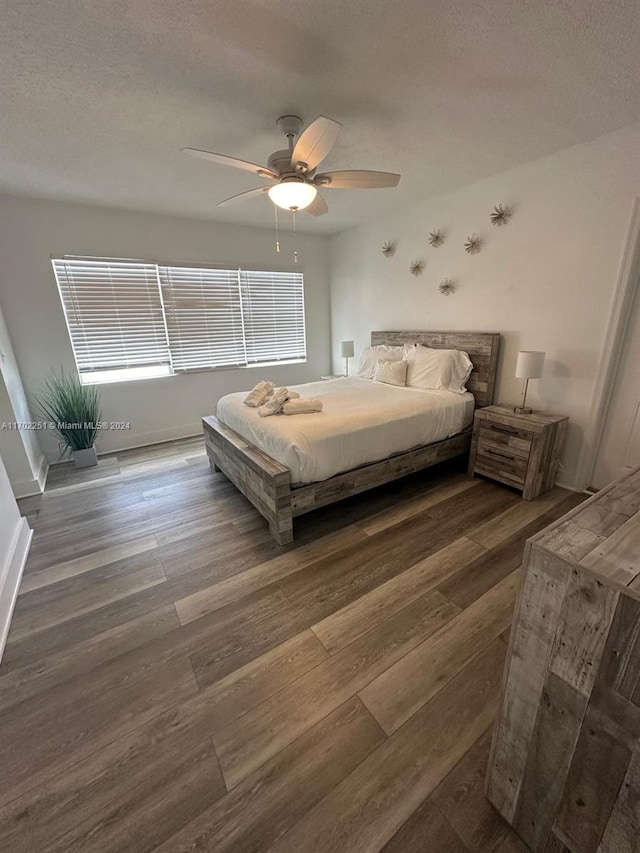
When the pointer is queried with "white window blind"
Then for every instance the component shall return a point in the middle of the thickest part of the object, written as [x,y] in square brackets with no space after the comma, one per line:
[204,317]
[133,319]
[114,314]
[273,314]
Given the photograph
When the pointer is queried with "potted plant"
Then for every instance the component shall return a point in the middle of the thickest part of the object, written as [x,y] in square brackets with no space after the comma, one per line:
[73,412]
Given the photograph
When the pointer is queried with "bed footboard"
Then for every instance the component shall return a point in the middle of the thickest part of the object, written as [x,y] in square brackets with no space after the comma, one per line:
[261,479]
[267,483]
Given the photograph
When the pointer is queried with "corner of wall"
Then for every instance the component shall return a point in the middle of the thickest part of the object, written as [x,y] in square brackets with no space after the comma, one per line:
[11,576]
[34,486]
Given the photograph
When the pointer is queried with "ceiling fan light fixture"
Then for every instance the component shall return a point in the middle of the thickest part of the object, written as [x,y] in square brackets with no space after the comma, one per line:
[292,194]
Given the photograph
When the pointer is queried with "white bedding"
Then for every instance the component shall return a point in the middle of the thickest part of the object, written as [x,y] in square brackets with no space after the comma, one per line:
[362,421]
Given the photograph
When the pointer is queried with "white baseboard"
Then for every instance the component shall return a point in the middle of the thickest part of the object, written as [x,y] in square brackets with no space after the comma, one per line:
[571,487]
[11,577]
[42,474]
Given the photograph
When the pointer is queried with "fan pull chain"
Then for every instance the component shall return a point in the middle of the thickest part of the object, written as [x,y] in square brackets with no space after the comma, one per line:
[295,253]
[275,208]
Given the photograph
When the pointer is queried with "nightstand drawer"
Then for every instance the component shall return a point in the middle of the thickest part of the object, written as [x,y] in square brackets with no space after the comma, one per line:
[502,437]
[502,464]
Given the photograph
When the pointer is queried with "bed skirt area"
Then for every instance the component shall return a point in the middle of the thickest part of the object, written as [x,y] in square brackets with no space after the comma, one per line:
[267,483]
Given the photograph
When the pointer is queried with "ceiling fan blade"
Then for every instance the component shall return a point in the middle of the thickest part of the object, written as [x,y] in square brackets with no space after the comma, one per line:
[223,160]
[244,196]
[356,179]
[314,143]
[318,207]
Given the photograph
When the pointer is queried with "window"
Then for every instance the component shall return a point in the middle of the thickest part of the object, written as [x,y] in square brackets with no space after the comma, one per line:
[135,319]
[204,317]
[114,316]
[273,312]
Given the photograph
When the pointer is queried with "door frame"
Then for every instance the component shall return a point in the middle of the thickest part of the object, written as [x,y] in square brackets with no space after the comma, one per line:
[614,338]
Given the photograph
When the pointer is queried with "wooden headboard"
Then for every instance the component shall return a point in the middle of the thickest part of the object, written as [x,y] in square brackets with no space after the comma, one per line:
[482,348]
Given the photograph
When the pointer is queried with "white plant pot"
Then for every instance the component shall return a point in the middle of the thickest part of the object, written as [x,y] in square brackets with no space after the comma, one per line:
[86,458]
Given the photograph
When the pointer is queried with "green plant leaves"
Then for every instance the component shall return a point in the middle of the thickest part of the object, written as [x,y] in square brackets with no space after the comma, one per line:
[72,409]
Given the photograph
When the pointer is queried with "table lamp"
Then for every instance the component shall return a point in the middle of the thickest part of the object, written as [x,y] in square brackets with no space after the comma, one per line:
[346,351]
[528,366]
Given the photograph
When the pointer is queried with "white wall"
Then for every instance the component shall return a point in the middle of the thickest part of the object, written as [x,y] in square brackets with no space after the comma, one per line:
[9,519]
[159,409]
[25,463]
[545,280]
[15,538]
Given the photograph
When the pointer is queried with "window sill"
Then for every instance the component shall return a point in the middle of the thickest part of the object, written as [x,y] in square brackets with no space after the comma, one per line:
[274,363]
[115,377]
[112,377]
[187,371]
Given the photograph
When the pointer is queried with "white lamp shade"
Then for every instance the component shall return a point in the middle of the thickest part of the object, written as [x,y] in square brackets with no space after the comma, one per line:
[346,349]
[529,364]
[293,194]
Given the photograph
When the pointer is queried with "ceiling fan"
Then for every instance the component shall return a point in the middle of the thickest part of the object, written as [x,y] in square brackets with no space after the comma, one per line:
[293,170]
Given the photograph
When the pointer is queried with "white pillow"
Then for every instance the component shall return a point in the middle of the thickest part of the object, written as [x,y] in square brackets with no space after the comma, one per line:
[438,369]
[391,372]
[370,356]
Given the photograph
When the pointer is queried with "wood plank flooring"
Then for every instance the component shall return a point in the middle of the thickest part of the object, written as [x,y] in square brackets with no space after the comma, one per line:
[176,681]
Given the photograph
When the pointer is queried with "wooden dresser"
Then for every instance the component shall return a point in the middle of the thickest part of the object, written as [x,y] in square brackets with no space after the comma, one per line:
[521,450]
[565,763]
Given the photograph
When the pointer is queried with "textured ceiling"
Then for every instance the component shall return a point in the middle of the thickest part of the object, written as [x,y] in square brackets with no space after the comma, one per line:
[98,96]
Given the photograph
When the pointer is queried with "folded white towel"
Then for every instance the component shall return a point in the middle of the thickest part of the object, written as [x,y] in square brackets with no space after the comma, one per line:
[302,406]
[276,401]
[259,393]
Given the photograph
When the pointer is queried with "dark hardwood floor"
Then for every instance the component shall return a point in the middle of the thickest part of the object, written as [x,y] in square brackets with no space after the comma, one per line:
[175,681]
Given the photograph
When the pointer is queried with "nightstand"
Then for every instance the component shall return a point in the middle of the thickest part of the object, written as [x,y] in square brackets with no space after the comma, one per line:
[519,450]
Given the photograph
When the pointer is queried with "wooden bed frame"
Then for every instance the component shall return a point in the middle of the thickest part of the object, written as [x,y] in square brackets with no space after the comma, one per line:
[267,483]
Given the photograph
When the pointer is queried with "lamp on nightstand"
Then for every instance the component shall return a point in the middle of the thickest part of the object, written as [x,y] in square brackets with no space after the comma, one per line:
[346,351]
[528,366]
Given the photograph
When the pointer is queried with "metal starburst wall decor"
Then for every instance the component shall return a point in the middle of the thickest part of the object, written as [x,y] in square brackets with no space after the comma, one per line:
[500,215]
[447,286]
[436,238]
[388,249]
[473,244]
[416,267]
